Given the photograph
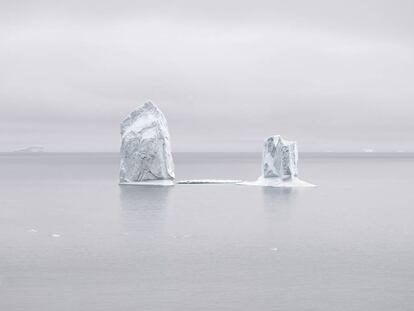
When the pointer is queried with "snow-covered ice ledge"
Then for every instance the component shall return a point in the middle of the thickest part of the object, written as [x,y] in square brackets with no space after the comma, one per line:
[277,183]
[182,182]
[159,182]
[208,181]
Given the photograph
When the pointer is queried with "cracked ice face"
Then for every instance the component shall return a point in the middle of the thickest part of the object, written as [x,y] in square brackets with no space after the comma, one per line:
[145,150]
[279,158]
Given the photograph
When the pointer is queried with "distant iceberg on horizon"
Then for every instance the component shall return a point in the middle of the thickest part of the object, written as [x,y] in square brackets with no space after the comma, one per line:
[279,165]
[31,149]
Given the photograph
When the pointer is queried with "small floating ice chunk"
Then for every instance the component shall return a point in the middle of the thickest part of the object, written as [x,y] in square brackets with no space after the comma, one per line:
[31,149]
[209,181]
[368,150]
[158,182]
[32,230]
[55,235]
[274,249]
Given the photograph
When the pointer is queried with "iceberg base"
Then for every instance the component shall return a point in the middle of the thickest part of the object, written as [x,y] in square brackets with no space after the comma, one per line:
[278,183]
[160,182]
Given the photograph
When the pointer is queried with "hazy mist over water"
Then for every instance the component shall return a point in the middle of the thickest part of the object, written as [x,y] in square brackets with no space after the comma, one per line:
[332,75]
[73,239]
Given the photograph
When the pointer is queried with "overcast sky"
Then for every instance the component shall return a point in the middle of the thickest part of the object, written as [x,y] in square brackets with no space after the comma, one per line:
[333,75]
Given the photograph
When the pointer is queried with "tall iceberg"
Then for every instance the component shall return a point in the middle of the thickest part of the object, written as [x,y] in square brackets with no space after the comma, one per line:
[145,148]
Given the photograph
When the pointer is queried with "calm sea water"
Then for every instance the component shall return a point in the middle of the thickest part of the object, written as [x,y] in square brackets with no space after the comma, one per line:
[72,239]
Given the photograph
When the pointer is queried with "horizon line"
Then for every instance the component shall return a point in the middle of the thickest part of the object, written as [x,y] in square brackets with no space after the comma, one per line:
[372,154]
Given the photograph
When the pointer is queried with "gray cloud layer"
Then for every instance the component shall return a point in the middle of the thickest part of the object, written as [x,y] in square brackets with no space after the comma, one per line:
[333,75]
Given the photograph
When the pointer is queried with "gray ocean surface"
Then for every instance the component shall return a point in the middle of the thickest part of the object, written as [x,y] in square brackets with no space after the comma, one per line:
[72,239]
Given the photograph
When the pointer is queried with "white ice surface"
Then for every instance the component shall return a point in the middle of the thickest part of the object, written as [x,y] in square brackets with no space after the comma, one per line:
[278,183]
[158,182]
[264,182]
[208,181]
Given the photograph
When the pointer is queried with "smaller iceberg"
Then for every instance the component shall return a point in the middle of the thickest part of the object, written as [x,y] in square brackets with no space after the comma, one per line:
[279,165]
[31,149]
